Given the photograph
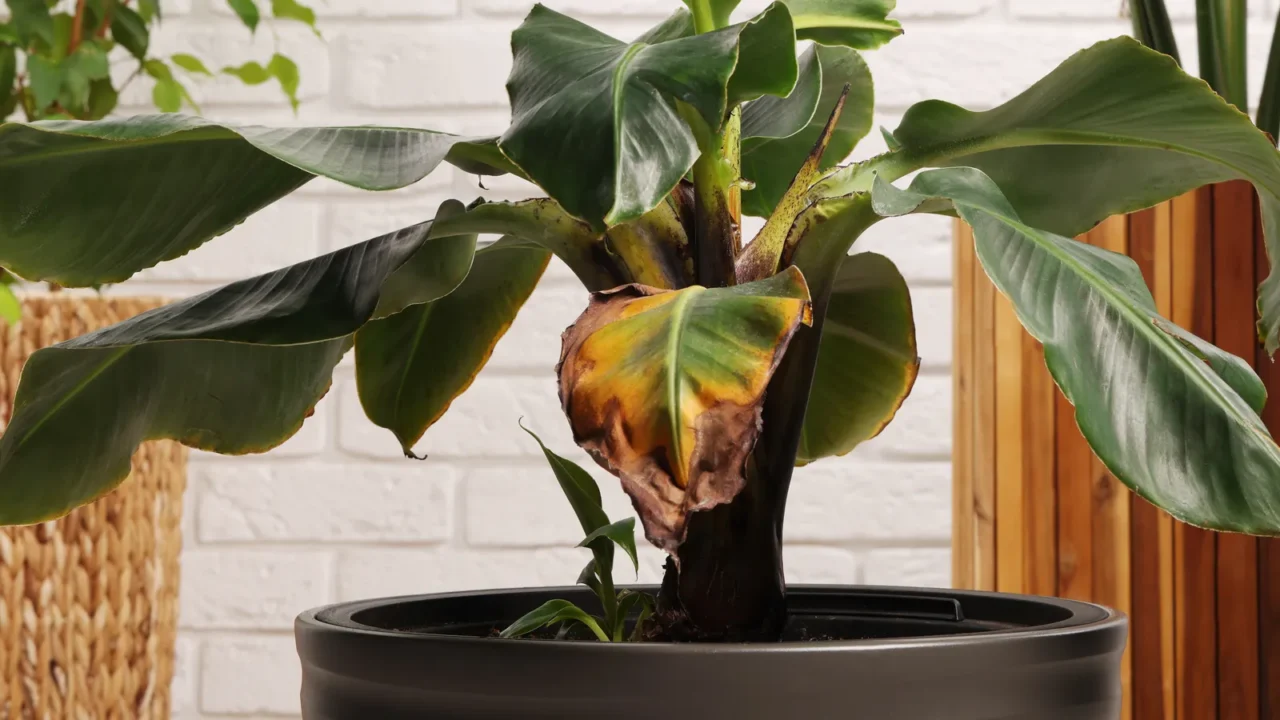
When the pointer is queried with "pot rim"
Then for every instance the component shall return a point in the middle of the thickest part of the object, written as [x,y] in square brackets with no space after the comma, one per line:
[1084,618]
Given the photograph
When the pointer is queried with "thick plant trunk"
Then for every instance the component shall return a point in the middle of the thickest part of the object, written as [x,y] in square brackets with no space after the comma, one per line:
[727,584]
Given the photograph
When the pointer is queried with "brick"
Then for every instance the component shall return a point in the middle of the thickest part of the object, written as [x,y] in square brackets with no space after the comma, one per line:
[398,68]
[805,564]
[251,675]
[533,342]
[976,67]
[918,567]
[850,498]
[383,9]
[280,235]
[922,427]
[483,421]
[387,573]
[931,310]
[1091,9]
[524,506]
[186,671]
[326,502]
[249,589]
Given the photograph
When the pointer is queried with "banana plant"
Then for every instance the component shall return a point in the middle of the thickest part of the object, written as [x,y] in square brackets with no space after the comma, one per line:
[703,368]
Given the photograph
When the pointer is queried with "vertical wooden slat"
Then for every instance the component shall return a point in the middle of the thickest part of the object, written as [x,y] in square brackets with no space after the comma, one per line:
[962,530]
[1146,626]
[1195,550]
[1237,563]
[1010,440]
[1268,548]
[1111,505]
[1040,527]
[1075,503]
[1162,289]
[984,430]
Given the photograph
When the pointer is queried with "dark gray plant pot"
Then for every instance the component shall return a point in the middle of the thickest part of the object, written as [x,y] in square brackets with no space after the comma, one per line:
[923,655]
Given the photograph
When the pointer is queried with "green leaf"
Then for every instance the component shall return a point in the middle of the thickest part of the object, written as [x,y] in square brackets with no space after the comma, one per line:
[1121,126]
[285,72]
[190,63]
[294,10]
[867,359]
[576,92]
[250,73]
[1269,103]
[550,613]
[711,14]
[247,11]
[234,370]
[157,69]
[129,29]
[647,608]
[10,305]
[589,577]
[1178,430]
[44,79]
[482,157]
[580,489]
[177,182]
[859,24]
[167,96]
[31,21]
[102,99]
[664,388]
[149,10]
[622,533]
[411,366]
[1221,29]
[778,134]
[89,61]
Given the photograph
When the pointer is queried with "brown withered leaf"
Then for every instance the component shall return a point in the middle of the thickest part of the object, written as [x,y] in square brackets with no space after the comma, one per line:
[664,388]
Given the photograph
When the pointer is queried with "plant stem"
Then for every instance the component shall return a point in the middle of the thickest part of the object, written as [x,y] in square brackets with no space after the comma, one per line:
[704,20]
[77,27]
[1269,104]
[718,206]
[1152,28]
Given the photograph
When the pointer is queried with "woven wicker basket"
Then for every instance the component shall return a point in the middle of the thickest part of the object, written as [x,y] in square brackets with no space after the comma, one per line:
[88,603]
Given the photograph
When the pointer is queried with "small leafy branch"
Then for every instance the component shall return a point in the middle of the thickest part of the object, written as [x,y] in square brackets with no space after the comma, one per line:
[56,61]
[602,536]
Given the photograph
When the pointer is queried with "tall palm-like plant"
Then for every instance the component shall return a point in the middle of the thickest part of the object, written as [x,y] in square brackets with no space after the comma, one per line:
[703,369]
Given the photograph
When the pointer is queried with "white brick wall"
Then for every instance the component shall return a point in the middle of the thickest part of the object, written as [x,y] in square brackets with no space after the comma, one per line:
[338,514]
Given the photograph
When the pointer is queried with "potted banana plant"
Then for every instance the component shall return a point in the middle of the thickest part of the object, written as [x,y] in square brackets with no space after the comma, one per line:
[702,370]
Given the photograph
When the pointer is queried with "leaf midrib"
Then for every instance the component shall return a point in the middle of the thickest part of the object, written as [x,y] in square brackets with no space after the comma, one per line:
[1139,320]
[680,310]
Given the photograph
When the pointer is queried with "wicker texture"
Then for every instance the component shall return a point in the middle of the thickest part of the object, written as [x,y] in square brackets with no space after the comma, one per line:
[88,603]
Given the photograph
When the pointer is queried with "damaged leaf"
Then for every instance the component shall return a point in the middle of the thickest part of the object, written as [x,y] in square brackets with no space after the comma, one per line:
[664,388]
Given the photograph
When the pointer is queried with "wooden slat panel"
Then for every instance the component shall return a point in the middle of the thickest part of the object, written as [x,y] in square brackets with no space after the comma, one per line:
[1146,626]
[984,430]
[1195,550]
[1040,530]
[1268,548]
[1234,331]
[1111,565]
[962,529]
[1010,440]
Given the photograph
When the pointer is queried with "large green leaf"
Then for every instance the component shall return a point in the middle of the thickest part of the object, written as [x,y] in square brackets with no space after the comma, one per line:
[664,388]
[867,359]
[175,183]
[779,133]
[861,24]
[1182,432]
[1120,126]
[595,120]
[412,365]
[234,370]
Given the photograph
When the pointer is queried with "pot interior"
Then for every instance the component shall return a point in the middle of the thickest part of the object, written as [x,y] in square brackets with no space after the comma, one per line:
[816,613]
